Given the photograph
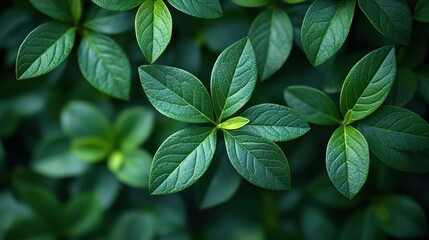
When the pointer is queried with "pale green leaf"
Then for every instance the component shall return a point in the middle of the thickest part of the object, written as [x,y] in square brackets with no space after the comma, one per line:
[118,5]
[82,214]
[233,123]
[91,149]
[57,9]
[198,8]
[421,11]
[103,21]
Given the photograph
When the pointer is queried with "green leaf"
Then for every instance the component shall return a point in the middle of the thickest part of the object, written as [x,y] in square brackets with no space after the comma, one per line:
[91,149]
[34,229]
[52,158]
[118,5]
[368,84]
[391,18]
[421,11]
[258,160]
[57,9]
[271,34]
[312,104]
[153,28]
[76,9]
[401,216]
[11,211]
[104,65]
[233,78]
[397,128]
[136,225]
[80,119]
[275,122]
[198,8]
[2,156]
[294,1]
[44,204]
[233,123]
[182,159]
[325,28]
[103,21]
[361,226]
[131,167]
[133,127]
[44,49]
[404,87]
[316,225]
[347,160]
[82,214]
[176,93]
[251,3]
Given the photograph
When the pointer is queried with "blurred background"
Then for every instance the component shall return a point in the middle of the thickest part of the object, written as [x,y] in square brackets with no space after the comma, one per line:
[47,193]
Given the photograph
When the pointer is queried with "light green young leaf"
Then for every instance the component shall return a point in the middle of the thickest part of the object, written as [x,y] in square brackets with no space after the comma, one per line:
[91,149]
[421,11]
[153,28]
[44,49]
[80,119]
[251,3]
[56,9]
[325,28]
[258,160]
[271,34]
[176,93]
[182,159]
[275,122]
[118,5]
[233,78]
[347,160]
[233,123]
[76,9]
[368,84]
[131,167]
[133,127]
[312,104]
[104,65]
[391,18]
[404,87]
[103,21]
[198,8]
[401,217]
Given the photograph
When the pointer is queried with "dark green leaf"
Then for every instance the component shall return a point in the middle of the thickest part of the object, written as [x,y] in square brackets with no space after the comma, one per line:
[325,28]
[91,149]
[404,87]
[233,78]
[421,11]
[275,122]
[82,214]
[11,211]
[104,65]
[34,230]
[76,9]
[251,3]
[108,22]
[258,160]
[368,84]
[181,160]
[153,28]
[57,9]
[198,8]
[44,49]
[118,5]
[313,105]
[391,18]
[44,204]
[176,93]
[317,226]
[233,123]
[347,160]
[136,225]
[361,226]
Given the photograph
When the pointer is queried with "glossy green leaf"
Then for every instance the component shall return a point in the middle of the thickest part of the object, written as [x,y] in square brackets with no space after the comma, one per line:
[233,78]
[76,7]
[404,87]
[347,160]
[421,11]
[391,18]
[368,84]
[153,28]
[312,104]
[198,8]
[131,167]
[133,127]
[80,119]
[104,65]
[44,49]
[401,216]
[233,123]
[361,226]
[176,93]
[182,159]
[91,149]
[57,9]
[325,28]
[52,158]
[136,225]
[82,214]
[251,3]
[43,203]
[258,160]
[274,122]
[103,21]
[118,5]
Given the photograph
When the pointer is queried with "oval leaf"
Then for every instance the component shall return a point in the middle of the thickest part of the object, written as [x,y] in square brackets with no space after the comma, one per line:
[312,104]
[153,28]
[82,214]
[391,18]
[118,5]
[198,8]
[325,28]
[258,160]
[91,149]
[176,93]
[44,49]
[108,22]
[233,123]
[421,11]
[57,9]
[181,160]
[233,78]
[347,160]
[368,84]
